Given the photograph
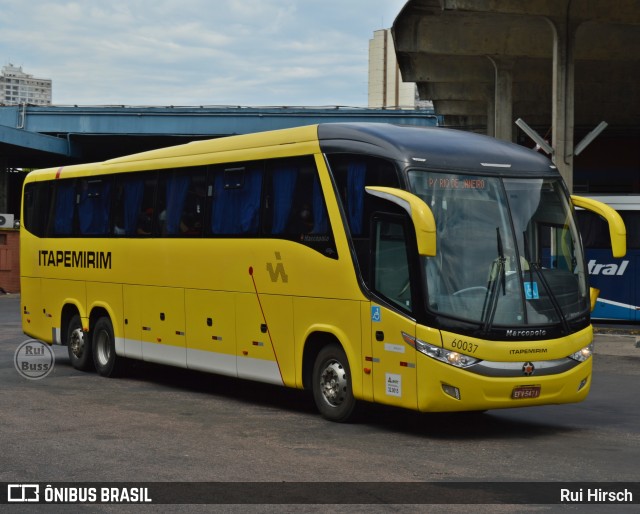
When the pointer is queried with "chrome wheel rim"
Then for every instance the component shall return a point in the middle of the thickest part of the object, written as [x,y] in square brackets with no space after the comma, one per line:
[102,347]
[76,342]
[334,383]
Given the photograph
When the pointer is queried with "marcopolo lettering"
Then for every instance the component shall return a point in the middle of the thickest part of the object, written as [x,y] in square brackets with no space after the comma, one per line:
[74,259]
[525,333]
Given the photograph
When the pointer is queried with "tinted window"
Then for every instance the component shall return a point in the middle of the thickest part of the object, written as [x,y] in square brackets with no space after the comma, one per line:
[37,203]
[279,198]
[352,173]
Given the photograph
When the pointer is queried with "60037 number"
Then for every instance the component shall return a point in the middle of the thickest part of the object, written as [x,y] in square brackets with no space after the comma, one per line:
[465,346]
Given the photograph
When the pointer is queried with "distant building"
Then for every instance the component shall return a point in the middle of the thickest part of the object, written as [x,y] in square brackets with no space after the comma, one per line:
[386,88]
[17,87]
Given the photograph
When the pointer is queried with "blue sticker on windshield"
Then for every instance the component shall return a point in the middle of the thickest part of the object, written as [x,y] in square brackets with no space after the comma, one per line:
[531,291]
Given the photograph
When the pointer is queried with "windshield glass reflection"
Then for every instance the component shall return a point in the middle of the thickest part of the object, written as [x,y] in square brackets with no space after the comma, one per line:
[507,250]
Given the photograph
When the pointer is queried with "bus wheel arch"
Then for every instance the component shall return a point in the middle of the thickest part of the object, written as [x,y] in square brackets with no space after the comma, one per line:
[326,372]
[106,361]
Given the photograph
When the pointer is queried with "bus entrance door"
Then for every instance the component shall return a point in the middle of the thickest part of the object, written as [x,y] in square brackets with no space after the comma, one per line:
[394,361]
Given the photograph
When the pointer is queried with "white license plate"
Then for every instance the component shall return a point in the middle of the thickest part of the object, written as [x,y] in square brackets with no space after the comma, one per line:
[526,392]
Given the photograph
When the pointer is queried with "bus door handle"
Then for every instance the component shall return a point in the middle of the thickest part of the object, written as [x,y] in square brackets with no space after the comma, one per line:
[379,335]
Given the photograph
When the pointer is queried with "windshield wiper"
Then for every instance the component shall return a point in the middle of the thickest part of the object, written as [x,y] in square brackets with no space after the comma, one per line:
[497,276]
[552,297]
[535,266]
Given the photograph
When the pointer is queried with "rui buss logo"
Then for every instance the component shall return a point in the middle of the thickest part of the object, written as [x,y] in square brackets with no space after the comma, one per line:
[34,359]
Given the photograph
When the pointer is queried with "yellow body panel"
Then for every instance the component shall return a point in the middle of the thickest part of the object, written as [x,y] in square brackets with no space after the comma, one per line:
[482,393]
[394,361]
[517,350]
[252,307]
[339,319]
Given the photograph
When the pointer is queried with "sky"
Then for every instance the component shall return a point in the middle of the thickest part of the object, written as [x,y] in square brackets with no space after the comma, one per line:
[196,52]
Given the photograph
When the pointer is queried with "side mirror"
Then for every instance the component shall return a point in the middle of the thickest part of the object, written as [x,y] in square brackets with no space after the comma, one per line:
[617,230]
[423,221]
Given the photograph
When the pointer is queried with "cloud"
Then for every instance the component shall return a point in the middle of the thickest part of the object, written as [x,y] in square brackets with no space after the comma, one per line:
[196,52]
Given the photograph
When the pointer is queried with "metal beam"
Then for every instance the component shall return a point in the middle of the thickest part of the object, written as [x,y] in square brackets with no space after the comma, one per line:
[37,142]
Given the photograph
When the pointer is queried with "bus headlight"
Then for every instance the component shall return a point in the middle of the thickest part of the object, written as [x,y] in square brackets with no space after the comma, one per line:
[459,360]
[582,355]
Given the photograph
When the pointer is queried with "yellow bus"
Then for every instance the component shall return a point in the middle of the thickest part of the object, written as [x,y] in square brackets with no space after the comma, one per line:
[424,268]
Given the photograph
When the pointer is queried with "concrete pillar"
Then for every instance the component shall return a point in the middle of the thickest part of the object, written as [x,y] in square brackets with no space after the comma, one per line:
[562,116]
[503,98]
[491,116]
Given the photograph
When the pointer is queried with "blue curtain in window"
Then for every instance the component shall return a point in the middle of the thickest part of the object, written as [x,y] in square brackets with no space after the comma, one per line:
[93,208]
[133,193]
[284,185]
[177,187]
[356,173]
[319,212]
[237,210]
[65,203]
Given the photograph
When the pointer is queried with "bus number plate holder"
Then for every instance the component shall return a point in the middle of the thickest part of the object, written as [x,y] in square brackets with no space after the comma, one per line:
[526,392]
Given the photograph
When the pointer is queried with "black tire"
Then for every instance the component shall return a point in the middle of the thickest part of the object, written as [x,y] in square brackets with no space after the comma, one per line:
[78,345]
[331,384]
[103,342]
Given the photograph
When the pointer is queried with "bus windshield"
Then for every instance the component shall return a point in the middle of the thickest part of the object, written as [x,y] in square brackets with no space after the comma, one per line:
[508,252]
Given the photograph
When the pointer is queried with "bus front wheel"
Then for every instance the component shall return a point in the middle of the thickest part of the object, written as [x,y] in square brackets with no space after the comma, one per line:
[332,384]
[78,345]
[107,363]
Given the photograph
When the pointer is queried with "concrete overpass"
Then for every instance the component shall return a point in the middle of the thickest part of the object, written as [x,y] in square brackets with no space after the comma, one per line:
[563,66]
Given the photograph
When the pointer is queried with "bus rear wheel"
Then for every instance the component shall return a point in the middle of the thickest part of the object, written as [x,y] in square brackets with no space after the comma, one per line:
[332,384]
[78,345]
[107,363]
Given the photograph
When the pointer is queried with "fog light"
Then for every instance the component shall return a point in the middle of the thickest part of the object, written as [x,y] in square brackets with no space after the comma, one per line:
[583,383]
[454,392]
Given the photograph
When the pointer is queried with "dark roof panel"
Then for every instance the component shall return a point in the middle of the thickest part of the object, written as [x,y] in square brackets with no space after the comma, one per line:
[434,147]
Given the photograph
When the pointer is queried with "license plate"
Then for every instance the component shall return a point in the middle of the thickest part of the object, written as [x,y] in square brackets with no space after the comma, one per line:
[526,392]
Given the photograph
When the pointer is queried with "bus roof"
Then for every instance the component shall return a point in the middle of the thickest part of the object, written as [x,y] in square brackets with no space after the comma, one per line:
[431,147]
[435,147]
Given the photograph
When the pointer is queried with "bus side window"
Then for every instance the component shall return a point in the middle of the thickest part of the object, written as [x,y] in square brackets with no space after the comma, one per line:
[37,204]
[193,212]
[180,201]
[294,207]
[94,202]
[308,210]
[391,277]
[280,203]
[134,204]
[64,207]
[352,173]
[236,200]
